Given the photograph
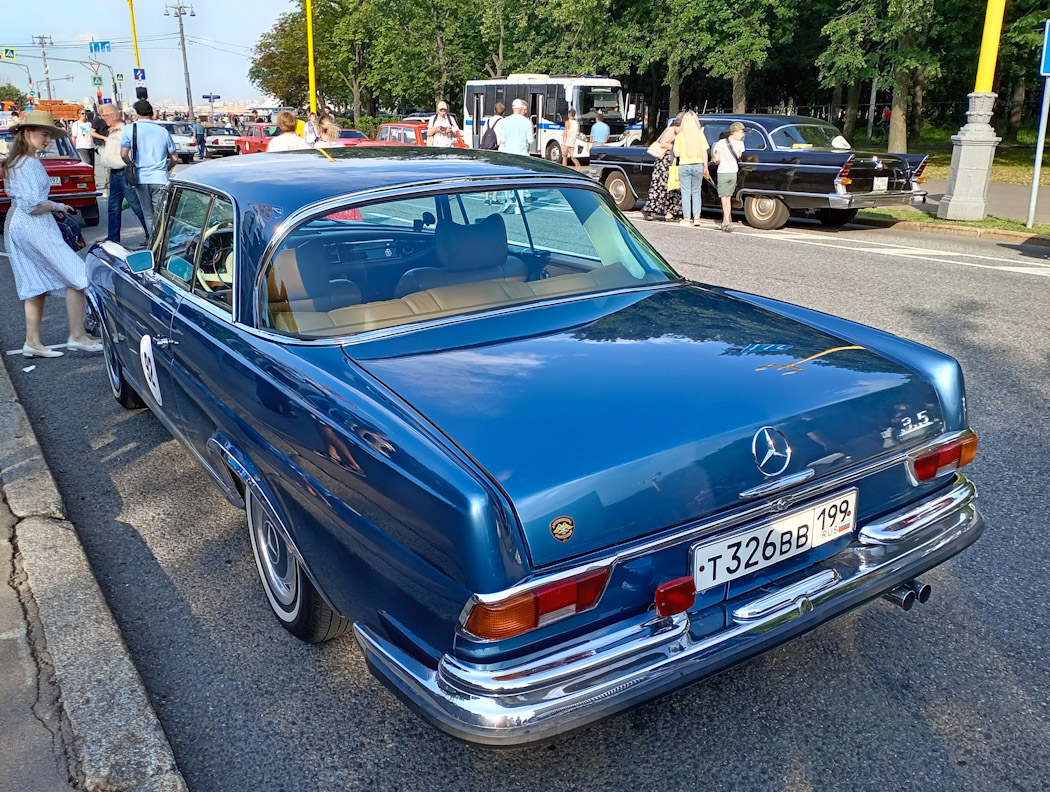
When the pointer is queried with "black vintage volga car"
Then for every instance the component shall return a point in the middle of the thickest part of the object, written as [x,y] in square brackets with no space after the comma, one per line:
[791,165]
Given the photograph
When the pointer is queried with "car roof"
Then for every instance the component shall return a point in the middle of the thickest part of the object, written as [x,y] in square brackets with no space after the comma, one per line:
[291,180]
[767,121]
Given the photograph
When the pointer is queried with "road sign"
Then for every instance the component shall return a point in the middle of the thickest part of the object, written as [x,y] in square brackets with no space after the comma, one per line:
[96,80]
[119,76]
[1044,62]
[140,74]
[10,53]
[95,66]
[98,47]
[32,93]
[107,100]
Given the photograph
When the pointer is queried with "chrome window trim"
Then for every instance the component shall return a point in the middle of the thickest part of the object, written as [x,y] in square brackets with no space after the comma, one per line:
[176,183]
[785,126]
[696,531]
[420,190]
[395,330]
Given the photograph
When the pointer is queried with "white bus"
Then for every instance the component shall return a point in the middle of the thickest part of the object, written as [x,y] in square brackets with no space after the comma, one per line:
[549,99]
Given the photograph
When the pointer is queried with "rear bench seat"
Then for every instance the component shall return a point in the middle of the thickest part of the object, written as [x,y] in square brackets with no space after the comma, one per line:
[446,301]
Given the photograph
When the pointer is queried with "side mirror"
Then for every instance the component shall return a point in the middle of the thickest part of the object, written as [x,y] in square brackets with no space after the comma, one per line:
[180,268]
[140,261]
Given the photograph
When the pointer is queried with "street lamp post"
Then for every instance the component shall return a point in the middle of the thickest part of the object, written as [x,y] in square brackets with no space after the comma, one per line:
[974,147]
[181,9]
[310,56]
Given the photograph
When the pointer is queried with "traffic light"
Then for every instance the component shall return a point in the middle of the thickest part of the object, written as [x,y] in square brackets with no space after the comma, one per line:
[99,95]
[140,92]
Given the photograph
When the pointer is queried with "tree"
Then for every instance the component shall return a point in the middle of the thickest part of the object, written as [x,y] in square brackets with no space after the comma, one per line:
[742,32]
[9,93]
[1019,53]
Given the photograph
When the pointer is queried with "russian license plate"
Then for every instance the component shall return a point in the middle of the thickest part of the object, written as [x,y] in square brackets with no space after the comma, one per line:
[882,183]
[749,551]
[56,181]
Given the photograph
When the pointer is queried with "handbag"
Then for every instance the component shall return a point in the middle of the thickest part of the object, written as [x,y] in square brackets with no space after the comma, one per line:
[131,170]
[656,151]
[70,229]
[674,181]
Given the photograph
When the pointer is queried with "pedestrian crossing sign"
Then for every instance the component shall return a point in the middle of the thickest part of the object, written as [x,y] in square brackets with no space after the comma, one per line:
[119,77]
[97,80]
[10,54]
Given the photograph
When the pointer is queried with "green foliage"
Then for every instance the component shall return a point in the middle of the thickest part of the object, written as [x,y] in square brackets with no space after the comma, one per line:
[10,93]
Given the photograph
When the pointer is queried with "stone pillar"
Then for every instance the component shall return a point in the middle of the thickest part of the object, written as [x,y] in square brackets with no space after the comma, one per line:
[972,154]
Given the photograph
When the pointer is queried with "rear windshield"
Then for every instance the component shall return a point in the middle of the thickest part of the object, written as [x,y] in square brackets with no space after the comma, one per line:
[220,131]
[180,129]
[798,136]
[412,260]
[58,149]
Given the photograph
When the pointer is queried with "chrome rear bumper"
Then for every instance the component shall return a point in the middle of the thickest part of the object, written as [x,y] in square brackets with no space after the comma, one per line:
[594,677]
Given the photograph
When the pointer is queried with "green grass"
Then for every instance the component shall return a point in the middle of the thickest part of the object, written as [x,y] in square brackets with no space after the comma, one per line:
[919,216]
[1013,164]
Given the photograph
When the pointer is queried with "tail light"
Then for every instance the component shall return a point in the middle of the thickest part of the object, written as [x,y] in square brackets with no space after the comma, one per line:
[917,177]
[843,180]
[675,596]
[538,607]
[945,458]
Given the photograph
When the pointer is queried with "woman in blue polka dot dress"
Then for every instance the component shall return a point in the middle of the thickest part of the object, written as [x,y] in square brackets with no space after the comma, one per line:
[41,261]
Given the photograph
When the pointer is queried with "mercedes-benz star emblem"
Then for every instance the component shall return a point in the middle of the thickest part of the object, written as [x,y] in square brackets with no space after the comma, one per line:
[771,450]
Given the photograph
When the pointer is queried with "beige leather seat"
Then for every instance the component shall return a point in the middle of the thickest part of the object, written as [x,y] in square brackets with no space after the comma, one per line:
[465,254]
[298,284]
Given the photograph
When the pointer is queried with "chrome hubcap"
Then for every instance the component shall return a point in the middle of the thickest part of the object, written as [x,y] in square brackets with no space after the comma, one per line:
[763,207]
[618,190]
[279,568]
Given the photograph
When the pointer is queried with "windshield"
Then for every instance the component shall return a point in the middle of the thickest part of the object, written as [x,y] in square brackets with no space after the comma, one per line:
[180,129]
[352,133]
[591,99]
[798,136]
[400,262]
[58,149]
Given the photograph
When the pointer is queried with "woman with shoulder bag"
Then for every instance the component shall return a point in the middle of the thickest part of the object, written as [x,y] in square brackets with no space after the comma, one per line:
[663,203]
[41,261]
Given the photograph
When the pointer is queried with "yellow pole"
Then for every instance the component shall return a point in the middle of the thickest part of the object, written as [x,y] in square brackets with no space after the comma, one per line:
[310,54]
[993,28]
[134,38]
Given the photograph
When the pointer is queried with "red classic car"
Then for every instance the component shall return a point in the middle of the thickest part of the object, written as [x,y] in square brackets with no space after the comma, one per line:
[408,133]
[72,182]
[256,138]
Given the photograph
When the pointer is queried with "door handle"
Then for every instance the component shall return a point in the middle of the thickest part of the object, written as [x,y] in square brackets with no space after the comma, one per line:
[164,343]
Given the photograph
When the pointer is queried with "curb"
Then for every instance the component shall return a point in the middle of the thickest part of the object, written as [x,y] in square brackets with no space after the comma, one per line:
[1002,235]
[118,744]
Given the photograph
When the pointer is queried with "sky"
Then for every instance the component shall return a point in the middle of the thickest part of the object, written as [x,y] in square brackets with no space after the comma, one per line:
[219,40]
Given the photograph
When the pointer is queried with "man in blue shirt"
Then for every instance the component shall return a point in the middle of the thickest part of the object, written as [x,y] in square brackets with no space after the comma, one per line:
[515,133]
[599,129]
[154,157]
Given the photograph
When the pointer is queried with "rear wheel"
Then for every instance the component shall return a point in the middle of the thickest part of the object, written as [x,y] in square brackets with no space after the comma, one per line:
[553,152]
[295,602]
[621,191]
[836,218]
[765,211]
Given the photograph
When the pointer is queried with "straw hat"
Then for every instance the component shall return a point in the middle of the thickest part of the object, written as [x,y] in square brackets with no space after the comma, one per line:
[40,118]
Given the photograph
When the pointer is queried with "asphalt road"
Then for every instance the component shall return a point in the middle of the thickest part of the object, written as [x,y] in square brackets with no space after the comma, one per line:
[954,695]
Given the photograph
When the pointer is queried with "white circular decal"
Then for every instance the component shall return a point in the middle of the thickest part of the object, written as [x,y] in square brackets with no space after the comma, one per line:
[149,367]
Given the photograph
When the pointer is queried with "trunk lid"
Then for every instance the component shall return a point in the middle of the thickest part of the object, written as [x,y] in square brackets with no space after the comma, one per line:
[867,167]
[643,416]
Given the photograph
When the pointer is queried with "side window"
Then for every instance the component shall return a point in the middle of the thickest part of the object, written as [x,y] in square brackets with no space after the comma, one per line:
[754,139]
[715,131]
[215,262]
[187,212]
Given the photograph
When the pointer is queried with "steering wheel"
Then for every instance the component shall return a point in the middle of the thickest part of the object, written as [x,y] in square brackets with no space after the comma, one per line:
[211,272]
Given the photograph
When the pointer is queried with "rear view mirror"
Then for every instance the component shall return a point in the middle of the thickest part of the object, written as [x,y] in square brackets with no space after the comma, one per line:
[140,261]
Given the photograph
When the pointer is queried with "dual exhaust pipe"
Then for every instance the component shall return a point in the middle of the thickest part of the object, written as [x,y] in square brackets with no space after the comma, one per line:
[906,595]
